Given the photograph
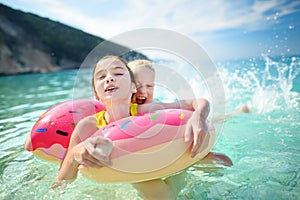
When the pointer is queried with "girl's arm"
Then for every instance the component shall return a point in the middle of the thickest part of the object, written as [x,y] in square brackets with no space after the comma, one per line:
[202,105]
[81,149]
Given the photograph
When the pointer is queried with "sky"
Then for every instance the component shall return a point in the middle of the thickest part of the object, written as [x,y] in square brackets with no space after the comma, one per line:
[225,29]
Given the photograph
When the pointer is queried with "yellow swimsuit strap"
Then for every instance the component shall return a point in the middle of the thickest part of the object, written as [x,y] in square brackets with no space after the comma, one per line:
[133,109]
[101,119]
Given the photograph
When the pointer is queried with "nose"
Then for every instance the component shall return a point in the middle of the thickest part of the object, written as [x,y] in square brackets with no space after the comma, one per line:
[142,90]
[109,79]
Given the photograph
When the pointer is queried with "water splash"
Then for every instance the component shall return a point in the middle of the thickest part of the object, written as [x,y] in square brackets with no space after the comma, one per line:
[279,92]
[267,85]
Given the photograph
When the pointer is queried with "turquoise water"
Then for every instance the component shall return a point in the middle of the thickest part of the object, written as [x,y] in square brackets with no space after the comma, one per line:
[264,145]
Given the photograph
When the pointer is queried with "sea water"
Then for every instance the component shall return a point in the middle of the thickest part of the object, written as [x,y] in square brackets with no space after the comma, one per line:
[264,145]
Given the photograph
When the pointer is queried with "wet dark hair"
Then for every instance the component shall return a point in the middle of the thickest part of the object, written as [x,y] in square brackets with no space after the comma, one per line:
[117,58]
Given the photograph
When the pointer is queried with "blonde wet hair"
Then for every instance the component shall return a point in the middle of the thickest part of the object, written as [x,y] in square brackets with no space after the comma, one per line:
[133,65]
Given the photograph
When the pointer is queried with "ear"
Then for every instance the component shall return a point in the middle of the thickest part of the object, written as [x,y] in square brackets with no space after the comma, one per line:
[96,96]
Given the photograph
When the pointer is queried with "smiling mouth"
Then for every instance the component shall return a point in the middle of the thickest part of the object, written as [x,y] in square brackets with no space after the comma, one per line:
[140,100]
[110,89]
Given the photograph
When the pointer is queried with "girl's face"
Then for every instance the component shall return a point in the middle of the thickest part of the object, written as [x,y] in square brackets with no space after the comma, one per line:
[112,81]
[144,78]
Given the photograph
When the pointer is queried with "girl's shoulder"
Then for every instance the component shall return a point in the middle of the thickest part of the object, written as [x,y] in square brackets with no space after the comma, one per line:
[89,120]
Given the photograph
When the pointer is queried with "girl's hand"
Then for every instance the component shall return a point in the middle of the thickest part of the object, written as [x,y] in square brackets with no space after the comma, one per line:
[197,128]
[93,152]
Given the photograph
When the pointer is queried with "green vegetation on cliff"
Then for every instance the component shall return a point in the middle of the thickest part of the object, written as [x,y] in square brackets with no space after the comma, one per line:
[64,46]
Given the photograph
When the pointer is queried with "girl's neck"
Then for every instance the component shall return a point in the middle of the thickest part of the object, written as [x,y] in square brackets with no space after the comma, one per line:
[117,111]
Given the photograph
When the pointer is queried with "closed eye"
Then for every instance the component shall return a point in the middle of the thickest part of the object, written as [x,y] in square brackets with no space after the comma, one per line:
[150,86]
[101,77]
[119,74]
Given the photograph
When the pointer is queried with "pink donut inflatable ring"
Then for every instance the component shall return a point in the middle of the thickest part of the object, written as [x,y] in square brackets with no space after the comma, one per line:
[145,147]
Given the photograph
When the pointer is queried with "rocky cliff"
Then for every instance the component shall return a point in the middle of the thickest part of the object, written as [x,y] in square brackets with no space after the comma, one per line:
[32,44]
